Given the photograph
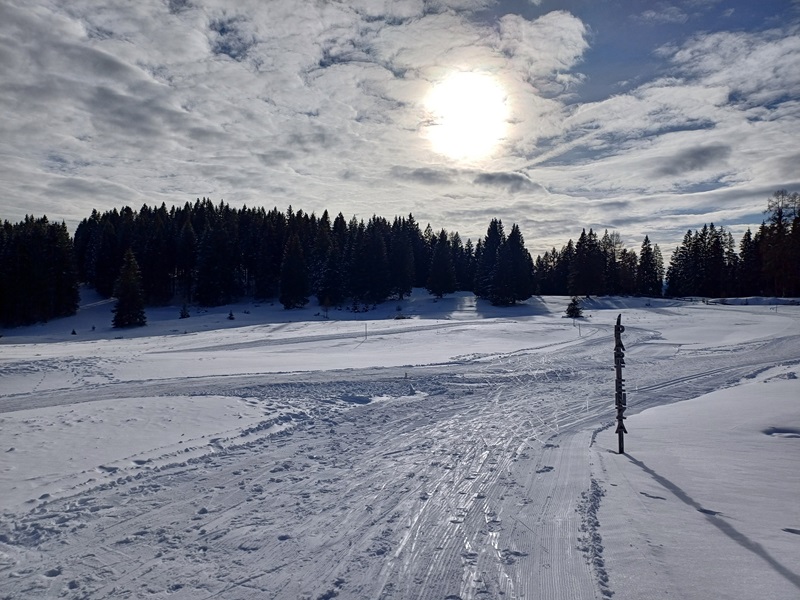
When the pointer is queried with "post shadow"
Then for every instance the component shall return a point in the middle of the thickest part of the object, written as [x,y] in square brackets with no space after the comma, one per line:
[718,521]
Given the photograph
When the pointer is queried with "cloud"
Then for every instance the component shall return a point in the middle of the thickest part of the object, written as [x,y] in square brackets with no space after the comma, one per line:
[232,38]
[529,46]
[513,182]
[758,68]
[425,175]
[665,13]
[693,159]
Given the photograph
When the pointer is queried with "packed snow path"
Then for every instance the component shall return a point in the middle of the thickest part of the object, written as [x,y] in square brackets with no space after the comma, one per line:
[468,476]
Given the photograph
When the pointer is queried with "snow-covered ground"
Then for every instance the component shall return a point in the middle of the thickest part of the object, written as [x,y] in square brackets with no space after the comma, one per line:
[463,451]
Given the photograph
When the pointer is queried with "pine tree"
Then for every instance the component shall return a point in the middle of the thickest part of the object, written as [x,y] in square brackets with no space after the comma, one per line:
[513,273]
[320,253]
[63,279]
[378,283]
[794,252]
[356,261]
[563,266]
[218,269]
[680,269]
[485,267]
[749,271]
[269,257]
[37,272]
[186,255]
[648,281]
[105,261]
[401,261]
[294,278]
[586,270]
[610,247]
[465,268]
[574,310]
[501,289]
[776,243]
[628,264]
[442,273]
[129,309]
[330,288]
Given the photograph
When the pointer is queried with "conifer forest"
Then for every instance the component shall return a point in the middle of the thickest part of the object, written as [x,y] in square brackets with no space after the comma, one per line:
[211,254]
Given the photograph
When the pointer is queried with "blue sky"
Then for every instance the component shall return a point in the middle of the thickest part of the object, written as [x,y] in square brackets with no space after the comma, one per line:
[647,118]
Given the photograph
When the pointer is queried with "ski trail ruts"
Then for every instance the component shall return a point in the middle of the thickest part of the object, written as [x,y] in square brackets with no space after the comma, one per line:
[357,526]
[461,553]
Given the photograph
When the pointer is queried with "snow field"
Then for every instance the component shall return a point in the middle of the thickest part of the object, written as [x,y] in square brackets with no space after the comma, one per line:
[722,470]
[458,453]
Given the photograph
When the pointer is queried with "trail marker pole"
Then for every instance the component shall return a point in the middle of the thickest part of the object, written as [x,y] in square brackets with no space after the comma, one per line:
[620,397]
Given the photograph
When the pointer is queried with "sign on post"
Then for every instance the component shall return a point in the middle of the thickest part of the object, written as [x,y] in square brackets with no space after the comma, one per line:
[620,398]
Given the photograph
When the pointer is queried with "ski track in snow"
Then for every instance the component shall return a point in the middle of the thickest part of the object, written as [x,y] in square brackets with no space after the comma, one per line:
[464,479]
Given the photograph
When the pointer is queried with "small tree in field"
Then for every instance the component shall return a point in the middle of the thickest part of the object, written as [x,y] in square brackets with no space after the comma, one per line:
[129,310]
[574,310]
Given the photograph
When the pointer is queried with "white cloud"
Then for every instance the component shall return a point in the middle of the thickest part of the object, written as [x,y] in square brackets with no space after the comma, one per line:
[665,13]
[544,48]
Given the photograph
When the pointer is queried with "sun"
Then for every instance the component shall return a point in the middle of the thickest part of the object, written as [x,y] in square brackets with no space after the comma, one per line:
[467,115]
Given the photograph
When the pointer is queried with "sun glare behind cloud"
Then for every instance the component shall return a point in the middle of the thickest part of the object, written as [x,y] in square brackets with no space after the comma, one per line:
[467,115]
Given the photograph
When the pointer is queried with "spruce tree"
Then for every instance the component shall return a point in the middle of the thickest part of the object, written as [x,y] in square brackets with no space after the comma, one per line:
[442,273]
[776,243]
[486,263]
[562,269]
[749,268]
[294,289]
[574,310]
[63,280]
[129,309]
[378,286]
[648,272]
[513,273]
[330,288]
[401,261]
[186,255]
[217,267]
[628,263]
[610,245]
[579,268]
[501,288]
[105,261]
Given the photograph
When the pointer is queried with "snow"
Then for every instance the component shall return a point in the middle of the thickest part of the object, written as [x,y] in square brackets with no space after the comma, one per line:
[722,470]
[463,451]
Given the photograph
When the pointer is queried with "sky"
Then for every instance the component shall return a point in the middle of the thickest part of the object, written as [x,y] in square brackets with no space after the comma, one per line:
[646,118]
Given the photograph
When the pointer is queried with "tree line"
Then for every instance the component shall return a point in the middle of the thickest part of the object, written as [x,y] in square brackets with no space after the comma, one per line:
[38,280]
[767,263]
[211,254]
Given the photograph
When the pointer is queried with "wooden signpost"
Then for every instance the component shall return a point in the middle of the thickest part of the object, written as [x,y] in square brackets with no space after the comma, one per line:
[620,398]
